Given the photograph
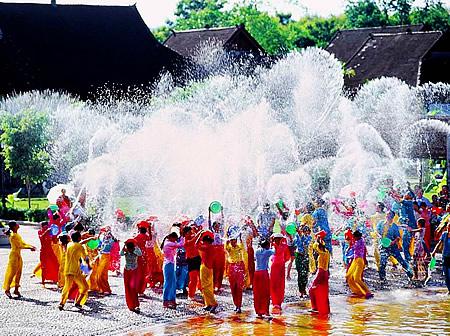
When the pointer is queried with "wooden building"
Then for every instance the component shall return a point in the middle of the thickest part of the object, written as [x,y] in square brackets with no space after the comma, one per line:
[410,53]
[236,40]
[79,48]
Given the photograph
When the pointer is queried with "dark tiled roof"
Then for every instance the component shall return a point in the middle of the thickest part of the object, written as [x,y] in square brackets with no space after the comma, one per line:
[77,48]
[346,43]
[187,42]
[391,55]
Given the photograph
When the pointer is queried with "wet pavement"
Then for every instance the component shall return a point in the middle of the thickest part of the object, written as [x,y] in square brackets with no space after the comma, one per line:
[36,313]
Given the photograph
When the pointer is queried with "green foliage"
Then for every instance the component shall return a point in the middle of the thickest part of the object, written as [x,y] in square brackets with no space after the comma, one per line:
[433,14]
[24,139]
[364,13]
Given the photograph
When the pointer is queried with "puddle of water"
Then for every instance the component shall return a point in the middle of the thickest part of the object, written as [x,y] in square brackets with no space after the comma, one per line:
[400,312]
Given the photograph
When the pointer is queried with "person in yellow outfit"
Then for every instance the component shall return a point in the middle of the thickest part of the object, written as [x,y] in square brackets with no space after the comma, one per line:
[354,274]
[204,243]
[15,263]
[379,215]
[72,272]
[63,242]
[236,269]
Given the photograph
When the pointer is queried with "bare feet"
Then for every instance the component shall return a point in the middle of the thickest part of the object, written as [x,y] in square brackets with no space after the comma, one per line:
[8,294]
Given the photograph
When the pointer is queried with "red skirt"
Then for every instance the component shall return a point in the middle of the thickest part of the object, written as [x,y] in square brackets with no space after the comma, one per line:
[319,292]
[236,276]
[49,264]
[131,282]
[261,292]
[277,283]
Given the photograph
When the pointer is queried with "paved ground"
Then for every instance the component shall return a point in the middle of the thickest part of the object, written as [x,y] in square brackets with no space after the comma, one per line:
[36,313]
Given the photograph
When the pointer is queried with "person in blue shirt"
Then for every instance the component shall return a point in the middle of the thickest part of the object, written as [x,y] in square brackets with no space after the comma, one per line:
[261,279]
[388,229]
[302,242]
[265,222]
[407,221]
[320,217]
[445,243]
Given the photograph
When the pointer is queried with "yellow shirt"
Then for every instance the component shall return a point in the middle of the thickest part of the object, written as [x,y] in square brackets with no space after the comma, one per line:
[74,253]
[308,220]
[324,257]
[17,243]
[234,254]
[374,219]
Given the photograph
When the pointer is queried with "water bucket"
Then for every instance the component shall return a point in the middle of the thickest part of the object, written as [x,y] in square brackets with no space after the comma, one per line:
[386,242]
[432,265]
[291,228]
[54,230]
[215,207]
[93,244]
[53,207]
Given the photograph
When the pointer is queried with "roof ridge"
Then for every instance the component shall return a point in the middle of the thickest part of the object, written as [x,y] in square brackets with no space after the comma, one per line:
[64,5]
[408,33]
[206,29]
[382,27]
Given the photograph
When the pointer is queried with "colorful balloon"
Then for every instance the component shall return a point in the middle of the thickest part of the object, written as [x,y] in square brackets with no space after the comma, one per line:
[215,207]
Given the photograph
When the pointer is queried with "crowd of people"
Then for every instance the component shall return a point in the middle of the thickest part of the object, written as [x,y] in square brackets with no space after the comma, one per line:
[196,255]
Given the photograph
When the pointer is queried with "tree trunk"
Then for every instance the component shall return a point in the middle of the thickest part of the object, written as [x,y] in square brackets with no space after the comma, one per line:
[28,184]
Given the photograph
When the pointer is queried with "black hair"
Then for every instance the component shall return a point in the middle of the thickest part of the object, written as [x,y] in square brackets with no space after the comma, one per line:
[43,223]
[170,235]
[421,222]
[91,232]
[306,228]
[76,237]
[309,207]
[130,245]
[357,234]
[142,230]
[265,244]
[381,206]
[12,225]
[186,229]
[78,227]
[64,239]
[176,224]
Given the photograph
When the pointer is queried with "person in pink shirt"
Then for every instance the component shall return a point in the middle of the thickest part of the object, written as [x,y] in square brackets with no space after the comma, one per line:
[169,247]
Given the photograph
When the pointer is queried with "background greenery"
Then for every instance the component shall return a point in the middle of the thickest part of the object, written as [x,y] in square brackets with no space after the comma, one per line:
[279,33]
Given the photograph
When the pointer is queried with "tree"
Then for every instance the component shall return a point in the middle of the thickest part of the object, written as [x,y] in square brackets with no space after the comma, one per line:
[186,9]
[433,14]
[24,139]
[402,10]
[362,13]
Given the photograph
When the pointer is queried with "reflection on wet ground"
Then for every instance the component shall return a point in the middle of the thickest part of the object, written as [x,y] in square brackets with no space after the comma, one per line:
[399,312]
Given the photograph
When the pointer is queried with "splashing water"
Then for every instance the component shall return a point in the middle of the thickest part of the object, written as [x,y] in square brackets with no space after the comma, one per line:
[241,139]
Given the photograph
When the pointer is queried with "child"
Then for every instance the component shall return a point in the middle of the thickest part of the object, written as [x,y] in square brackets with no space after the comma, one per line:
[182,271]
[204,244]
[318,291]
[219,251]
[277,271]
[193,260]
[142,239]
[354,274]
[445,243]
[301,242]
[63,242]
[72,272]
[48,259]
[420,268]
[236,270]
[261,280]
[15,263]
[130,274]
[169,247]
[103,264]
